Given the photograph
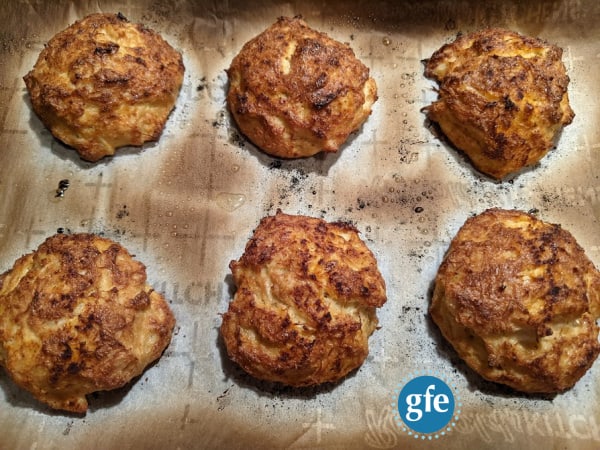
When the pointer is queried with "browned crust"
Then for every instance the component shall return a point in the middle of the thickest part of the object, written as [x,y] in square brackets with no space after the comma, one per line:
[104,83]
[77,316]
[295,91]
[307,291]
[518,299]
[502,98]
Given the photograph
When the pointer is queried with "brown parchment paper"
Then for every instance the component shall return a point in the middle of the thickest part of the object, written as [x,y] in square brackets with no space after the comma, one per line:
[187,204]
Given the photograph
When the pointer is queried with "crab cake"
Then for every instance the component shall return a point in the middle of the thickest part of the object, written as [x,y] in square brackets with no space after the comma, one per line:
[518,299]
[502,98]
[295,92]
[77,316]
[104,83]
[306,299]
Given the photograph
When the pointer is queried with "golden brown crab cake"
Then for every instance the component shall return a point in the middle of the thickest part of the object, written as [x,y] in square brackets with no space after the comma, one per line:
[306,299]
[518,299]
[295,92]
[502,98]
[76,317]
[104,83]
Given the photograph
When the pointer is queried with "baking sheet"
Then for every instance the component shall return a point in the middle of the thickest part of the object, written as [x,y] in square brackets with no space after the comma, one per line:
[187,204]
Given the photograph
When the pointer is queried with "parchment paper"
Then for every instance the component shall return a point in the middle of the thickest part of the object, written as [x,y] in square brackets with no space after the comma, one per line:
[186,205]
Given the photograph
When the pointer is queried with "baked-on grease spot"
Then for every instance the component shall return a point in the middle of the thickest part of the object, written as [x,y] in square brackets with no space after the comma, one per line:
[63,185]
[202,85]
[122,212]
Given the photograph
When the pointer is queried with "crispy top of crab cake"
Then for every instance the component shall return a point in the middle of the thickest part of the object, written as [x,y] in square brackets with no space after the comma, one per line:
[518,299]
[295,92]
[502,98]
[104,83]
[305,304]
[77,316]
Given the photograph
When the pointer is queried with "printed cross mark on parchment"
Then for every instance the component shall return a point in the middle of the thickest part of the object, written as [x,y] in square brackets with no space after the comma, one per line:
[382,359]
[33,234]
[378,143]
[570,59]
[8,125]
[319,425]
[186,419]
[587,148]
